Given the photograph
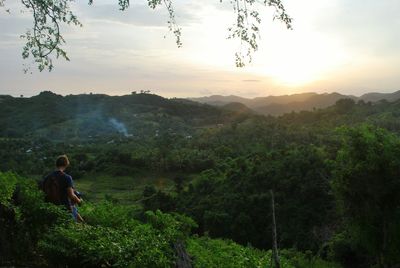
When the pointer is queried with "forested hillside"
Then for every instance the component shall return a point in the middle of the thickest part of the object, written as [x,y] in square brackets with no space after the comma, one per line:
[56,117]
[158,174]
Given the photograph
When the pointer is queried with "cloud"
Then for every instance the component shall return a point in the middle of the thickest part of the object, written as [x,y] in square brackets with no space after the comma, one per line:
[117,52]
[251,80]
[135,15]
[366,26]
[205,92]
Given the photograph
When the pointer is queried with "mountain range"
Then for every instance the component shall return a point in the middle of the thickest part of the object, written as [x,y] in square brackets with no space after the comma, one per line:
[87,116]
[278,105]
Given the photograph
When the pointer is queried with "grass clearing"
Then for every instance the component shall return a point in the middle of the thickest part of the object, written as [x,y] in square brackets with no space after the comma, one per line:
[122,189]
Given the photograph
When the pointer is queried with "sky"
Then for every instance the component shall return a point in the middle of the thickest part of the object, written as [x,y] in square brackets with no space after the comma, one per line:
[350,47]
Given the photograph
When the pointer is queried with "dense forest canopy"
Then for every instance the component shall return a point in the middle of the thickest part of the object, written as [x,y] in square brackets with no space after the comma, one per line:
[157,171]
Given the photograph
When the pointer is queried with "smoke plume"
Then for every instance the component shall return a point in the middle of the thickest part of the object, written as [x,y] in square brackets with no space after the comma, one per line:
[120,127]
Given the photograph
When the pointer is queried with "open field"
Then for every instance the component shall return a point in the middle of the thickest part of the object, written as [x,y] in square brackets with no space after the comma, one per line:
[122,189]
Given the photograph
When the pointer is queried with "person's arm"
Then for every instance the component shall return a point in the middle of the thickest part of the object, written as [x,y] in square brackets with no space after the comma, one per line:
[72,195]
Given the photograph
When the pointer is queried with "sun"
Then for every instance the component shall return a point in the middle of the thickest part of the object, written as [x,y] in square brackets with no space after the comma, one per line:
[300,65]
[294,74]
[300,57]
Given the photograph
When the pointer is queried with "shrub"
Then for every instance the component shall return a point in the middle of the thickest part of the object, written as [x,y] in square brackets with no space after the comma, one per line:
[39,234]
[97,246]
[109,214]
[219,253]
[24,217]
[114,238]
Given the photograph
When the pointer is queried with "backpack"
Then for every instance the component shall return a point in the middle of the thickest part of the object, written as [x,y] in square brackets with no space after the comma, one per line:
[52,189]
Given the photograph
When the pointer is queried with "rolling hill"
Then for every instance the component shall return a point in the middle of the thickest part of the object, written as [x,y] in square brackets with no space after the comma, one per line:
[278,105]
[87,116]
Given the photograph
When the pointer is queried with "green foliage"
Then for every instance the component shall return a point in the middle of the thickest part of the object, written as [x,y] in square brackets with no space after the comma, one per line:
[174,226]
[97,246]
[298,259]
[345,105]
[235,202]
[45,39]
[224,253]
[343,249]
[24,217]
[8,183]
[208,252]
[108,214]
[117,242]
[367,172]
[224,166]
[113,236]
[86,117]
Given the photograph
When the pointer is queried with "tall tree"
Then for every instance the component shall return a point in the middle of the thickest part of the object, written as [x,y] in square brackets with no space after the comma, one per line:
[367,186]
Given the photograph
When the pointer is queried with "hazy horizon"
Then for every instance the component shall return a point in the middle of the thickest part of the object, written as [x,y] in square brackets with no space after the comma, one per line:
[200,96]
[336,46]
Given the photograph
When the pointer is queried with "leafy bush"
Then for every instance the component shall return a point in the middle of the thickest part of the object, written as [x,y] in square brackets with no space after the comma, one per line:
[96,246]
[219,253]
[8,183]
[344,249]
[108,214]
[174,226]
[39,234]
[208,252]
[297,259]
[24,217]
[115,238]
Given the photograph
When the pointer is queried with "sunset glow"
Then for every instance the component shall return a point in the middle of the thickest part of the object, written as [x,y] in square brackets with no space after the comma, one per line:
[117,52]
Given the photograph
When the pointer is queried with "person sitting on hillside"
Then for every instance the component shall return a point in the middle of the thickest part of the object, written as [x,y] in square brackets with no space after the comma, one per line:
[59,188]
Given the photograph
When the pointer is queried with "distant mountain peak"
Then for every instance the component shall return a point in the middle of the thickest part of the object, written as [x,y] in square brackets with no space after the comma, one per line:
[276,105]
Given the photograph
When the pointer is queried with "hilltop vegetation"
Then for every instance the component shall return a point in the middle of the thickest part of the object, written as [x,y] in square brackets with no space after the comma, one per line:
[334,172]
[86,116]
